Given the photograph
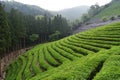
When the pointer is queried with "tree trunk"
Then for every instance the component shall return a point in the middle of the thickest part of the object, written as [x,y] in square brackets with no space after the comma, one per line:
[24,43]
[0,67]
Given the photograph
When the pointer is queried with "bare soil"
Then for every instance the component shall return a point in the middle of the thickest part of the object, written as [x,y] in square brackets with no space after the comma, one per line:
[85,27]
[5,61]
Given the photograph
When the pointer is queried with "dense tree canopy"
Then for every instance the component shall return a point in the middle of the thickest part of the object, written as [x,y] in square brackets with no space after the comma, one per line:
[5,34]
[18,29]
[94,9]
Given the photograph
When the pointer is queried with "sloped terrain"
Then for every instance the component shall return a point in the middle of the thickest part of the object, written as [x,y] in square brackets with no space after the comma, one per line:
[74,13]
[85,27]
[24,8]
[90,55]
[112,10]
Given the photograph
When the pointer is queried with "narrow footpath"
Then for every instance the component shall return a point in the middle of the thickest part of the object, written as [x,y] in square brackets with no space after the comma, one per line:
[93,25]
[5,61]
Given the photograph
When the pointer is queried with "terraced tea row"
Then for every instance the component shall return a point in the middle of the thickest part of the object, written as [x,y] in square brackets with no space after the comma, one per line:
[100,66]
[39,62]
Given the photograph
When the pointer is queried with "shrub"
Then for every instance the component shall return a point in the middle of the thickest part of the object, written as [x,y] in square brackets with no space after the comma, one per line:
[33,37]
[112,18]
[104,19]
[118,16]
[54,36]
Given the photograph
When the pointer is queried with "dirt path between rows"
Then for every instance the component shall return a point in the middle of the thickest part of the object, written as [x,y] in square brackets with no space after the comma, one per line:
[5,61]
[93,25]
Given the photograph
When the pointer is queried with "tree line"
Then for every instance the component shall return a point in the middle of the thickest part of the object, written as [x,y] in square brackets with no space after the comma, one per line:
[94,10]
[18,30]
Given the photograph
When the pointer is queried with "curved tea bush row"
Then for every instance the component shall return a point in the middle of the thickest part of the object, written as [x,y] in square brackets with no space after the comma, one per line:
[110,70]
[49,58]
[83,56]
[91,67]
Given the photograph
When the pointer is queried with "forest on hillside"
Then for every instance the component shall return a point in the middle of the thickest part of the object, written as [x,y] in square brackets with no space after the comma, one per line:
[18,30]
[36,44]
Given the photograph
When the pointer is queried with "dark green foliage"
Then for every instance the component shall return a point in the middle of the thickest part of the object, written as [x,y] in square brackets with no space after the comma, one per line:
[17,24]
[54,36]
[5,34]
[60,24]
[19,30]
[104,19]
[118,16]
[34,37]
[112,18]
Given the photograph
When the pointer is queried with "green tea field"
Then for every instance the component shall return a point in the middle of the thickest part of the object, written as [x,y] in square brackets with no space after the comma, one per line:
[89,55]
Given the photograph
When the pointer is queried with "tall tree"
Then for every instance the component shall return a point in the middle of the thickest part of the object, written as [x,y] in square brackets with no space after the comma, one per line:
[5,39]
[17,22]
[60,24]
[94,9]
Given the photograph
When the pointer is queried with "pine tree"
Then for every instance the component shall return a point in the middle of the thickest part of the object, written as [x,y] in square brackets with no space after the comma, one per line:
[5,40]
[5,34]
[18,27]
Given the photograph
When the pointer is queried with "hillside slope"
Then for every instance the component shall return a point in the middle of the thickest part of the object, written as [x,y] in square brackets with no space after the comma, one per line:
[85,27]
[112,10]
[101,66]
[83,56]
[24,8]
[74,13]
